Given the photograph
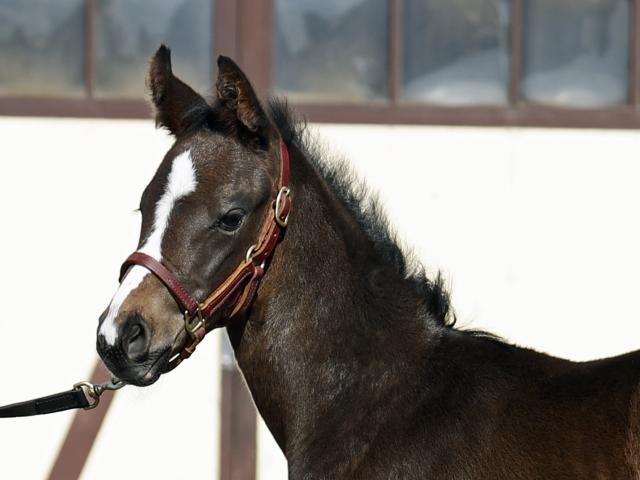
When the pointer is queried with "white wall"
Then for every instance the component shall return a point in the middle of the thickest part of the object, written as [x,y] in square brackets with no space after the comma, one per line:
[537,231]
[68,189]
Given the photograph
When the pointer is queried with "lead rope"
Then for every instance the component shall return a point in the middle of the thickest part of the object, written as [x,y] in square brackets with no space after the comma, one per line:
[84,395]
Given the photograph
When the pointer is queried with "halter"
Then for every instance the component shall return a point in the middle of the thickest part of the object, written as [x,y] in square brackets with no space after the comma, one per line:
[238,290]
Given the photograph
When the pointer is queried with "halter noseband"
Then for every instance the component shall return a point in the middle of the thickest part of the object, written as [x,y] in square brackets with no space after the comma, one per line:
[238,290]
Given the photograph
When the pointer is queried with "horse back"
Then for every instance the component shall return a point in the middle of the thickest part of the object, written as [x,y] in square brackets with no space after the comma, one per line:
[518,414]
[578,420]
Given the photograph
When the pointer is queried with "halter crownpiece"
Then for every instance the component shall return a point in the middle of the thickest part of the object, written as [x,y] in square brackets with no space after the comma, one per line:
[238,290]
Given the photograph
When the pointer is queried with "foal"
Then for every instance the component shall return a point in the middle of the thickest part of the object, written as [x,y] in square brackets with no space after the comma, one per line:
[349,350]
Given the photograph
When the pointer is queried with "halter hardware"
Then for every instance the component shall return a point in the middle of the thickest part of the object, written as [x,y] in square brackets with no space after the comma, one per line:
[95,391]
[193,326]
[279,208]
[247,257]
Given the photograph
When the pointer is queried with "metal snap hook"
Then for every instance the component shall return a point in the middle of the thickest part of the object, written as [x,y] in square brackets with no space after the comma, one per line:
[94,391]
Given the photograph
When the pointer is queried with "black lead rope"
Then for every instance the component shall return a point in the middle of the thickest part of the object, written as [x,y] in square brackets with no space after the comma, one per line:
[83,395]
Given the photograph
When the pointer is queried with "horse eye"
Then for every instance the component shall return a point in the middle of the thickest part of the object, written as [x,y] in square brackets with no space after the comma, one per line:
[231,220]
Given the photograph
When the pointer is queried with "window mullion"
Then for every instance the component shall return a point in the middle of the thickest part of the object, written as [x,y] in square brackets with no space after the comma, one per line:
[254,41]
[225,30]
[395,49]
[634,53]
[89,46]
[515,70]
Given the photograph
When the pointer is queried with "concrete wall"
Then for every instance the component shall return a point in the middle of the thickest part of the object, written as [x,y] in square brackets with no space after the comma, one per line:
[536,230]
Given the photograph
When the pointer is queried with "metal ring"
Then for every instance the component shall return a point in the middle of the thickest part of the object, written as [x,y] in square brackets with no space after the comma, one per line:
[284,191]
[247,257]
[91,392]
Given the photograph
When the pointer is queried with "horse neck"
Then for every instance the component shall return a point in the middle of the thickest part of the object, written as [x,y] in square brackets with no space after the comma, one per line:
[334,334]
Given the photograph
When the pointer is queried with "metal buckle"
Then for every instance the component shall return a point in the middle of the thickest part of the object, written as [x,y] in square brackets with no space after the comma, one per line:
[284,192]
[190,326]
[94,391]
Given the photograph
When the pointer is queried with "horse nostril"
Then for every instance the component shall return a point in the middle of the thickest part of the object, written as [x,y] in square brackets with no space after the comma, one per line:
[136,338]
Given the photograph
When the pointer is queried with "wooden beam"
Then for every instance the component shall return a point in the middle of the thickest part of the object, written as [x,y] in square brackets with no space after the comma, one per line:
[238,449]
[82,433]
[517,51]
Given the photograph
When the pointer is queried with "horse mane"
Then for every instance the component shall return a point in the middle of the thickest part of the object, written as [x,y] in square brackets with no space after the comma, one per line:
[368,212]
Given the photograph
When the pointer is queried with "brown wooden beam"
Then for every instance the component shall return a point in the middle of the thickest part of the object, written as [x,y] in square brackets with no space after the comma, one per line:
[395,50]
[624,117]
[82,433]
[74,107]
[238,449]
[224,29]
[634,53]
[522,116]
[89,46]
[254,41]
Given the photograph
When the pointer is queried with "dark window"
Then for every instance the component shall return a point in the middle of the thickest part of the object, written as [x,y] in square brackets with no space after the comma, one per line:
[331,50]
[456,52]
[129,31]
[41,47]
[576,53]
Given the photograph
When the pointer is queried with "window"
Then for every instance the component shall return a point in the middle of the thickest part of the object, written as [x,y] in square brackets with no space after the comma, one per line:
[576,53]
[41,47]
[128,32]
[456,52]
[331,50]
[463,62]
[89,57]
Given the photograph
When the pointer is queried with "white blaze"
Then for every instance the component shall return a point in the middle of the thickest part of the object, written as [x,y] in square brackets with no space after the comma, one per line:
[181,182]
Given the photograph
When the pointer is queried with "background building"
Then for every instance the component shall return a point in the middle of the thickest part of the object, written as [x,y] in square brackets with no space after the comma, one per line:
[501,135]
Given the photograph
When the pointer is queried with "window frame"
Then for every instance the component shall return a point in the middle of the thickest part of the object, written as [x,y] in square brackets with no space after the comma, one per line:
[243,29]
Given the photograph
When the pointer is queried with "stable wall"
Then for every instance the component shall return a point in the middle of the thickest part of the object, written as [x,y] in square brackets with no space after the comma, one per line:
[536,230]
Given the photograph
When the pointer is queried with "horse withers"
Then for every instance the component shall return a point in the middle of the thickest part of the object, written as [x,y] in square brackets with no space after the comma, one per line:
[349,349]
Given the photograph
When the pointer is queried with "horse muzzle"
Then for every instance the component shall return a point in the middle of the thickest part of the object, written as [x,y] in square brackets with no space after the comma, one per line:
[131,358]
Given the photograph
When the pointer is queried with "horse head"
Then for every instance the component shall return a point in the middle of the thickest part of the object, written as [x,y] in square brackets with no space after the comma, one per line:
[201,214]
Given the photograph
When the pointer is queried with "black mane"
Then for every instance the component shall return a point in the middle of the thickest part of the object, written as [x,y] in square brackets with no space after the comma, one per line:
[368,212]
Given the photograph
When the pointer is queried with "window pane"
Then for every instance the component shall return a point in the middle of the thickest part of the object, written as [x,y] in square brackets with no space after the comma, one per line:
[331,50]
[576,53]
[456,52]
[130,31]
[41,47]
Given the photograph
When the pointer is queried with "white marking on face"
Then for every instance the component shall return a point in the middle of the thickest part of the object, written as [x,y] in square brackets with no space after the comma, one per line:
[181,182]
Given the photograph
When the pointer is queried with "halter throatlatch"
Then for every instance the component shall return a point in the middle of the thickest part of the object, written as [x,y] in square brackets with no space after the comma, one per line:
[237,291]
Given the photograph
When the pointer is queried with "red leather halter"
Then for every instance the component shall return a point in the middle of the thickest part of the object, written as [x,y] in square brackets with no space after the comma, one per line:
[238,290]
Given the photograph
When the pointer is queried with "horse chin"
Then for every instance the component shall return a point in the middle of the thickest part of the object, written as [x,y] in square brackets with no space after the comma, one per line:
[148,373]
[147,379]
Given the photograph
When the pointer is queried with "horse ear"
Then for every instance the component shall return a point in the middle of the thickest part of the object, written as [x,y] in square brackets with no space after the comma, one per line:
[236,95]
[177,106]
